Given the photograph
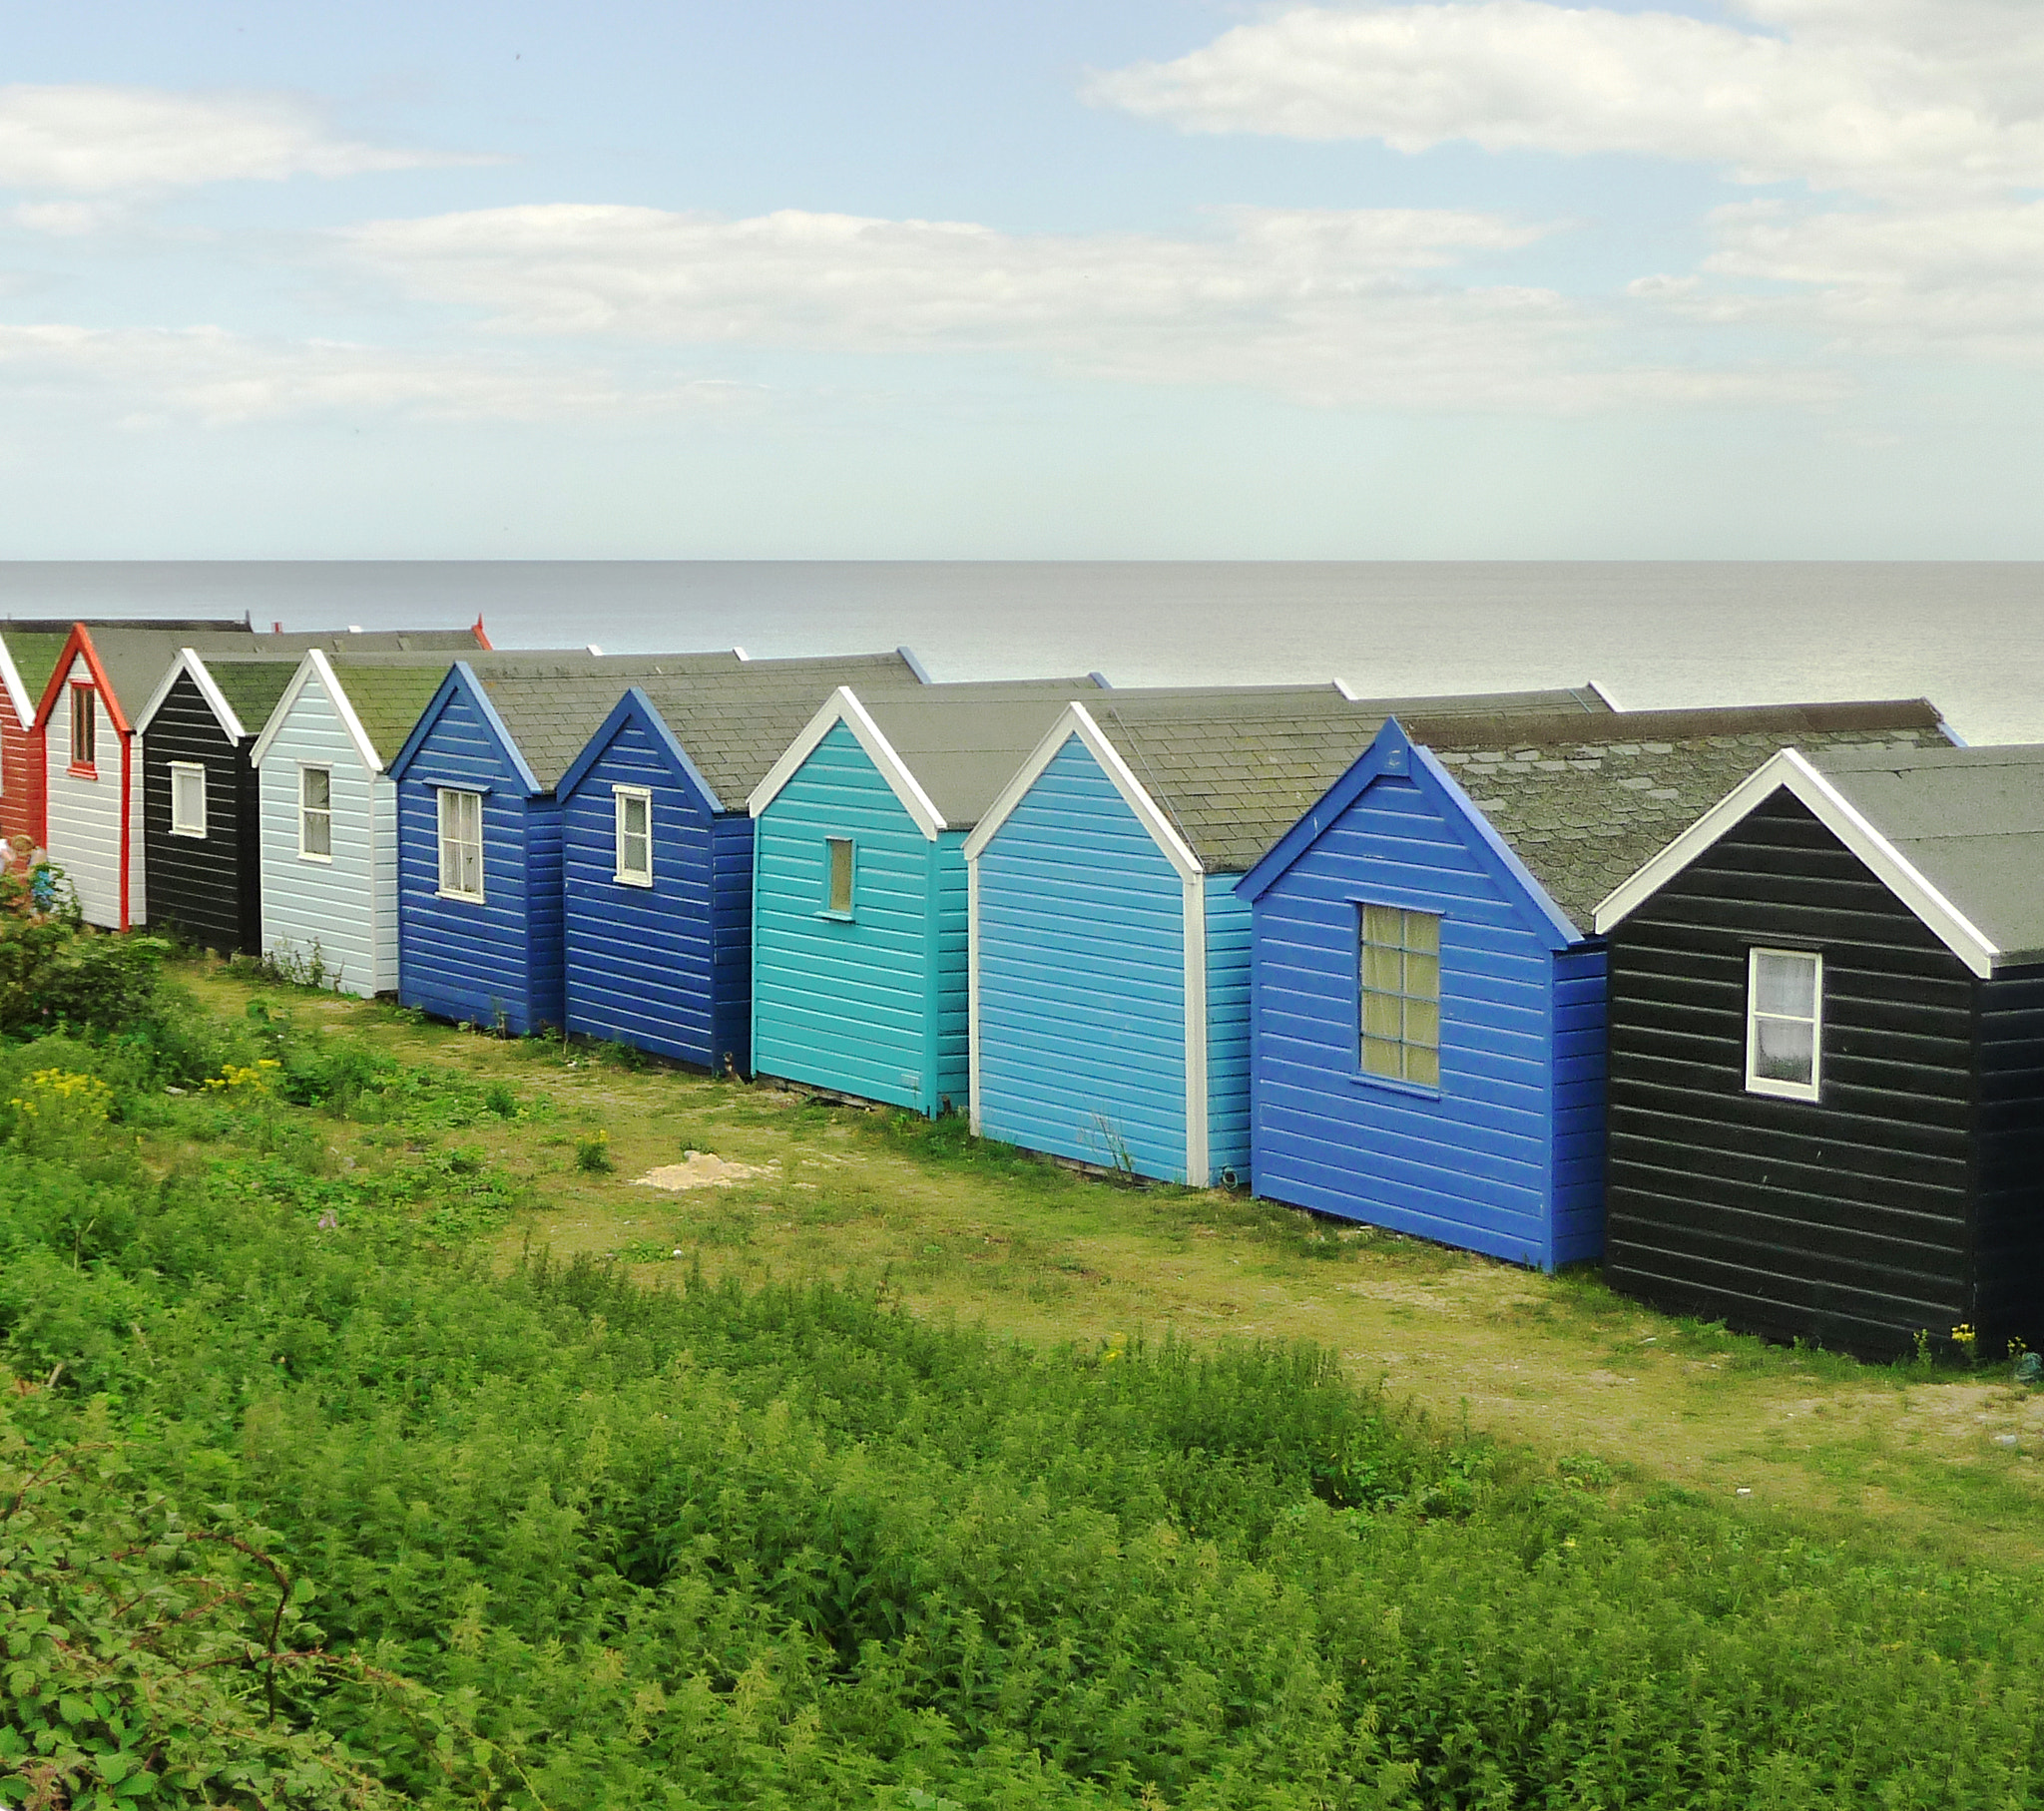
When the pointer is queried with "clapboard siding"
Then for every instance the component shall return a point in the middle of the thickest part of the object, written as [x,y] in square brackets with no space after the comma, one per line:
[1229,930]
[343,912]
[732,941]
[2010,1186]
[1494,1159]
[1081,953]
[85,812]
[20,773]
[209,887]
[640,960]
[497,962]
[1846,1219]
[845,1004]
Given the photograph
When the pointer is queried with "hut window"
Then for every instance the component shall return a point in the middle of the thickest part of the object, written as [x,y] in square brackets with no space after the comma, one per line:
[837,894]
[635,835]
[84,721]
[462,844]
[1784,994]
[188,800]
[1400,986]
[315,813]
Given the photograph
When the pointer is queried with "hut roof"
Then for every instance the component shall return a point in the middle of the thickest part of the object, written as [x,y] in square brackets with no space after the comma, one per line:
[1969,820]
[1585,806]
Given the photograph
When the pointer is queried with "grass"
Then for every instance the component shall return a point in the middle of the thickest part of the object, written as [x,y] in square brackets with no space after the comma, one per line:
[959,1229]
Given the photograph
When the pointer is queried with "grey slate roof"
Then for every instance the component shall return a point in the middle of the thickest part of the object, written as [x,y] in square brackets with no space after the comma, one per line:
[553,703]
[1235,767]
[1584,809]
[1969,820]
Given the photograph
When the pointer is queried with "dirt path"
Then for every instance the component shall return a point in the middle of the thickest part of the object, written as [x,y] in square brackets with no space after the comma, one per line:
[762,1185]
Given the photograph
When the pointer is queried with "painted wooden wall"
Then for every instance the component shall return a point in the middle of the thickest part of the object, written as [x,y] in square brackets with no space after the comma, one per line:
[84,814]
[500,960]
[348,907]
[2008,1244]
[855,1004]
[209,887]
[1081,952]
[732,939]
[21,776]
[1470,1165]
[1230,933]
[1845,1219]
[1580,1065]
[640,965]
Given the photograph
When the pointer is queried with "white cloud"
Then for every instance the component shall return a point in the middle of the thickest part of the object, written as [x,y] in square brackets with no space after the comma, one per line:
[90,139]
[1327,307]
[224,380]
[1875,96]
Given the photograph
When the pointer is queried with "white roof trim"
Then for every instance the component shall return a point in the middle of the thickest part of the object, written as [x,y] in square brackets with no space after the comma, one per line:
[317,665]
[1791,772]
[17,692]
[844,706]
[1078,720]
[1603,693]
[188,660]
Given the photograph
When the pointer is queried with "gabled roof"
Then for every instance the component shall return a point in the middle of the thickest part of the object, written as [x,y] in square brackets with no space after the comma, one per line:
[727,730]
[1584,807]
[946,749]
[1956,834]
[30,648]
[1231,768]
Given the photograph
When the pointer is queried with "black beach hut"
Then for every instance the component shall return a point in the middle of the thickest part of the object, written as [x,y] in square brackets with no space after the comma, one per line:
[1827,1054]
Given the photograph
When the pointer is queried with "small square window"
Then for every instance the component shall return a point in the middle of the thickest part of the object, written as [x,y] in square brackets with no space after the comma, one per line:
[1784,1012]
[462,844]
[839,894]
[635,835]
[1400,990]
[85,718]
[315,813]
[188,800]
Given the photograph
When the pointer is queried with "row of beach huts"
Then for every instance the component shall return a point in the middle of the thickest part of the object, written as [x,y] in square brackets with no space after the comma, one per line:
[1746,1002]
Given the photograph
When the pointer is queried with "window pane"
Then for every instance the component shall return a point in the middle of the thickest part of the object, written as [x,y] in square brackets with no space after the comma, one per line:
[1785,985]
[318,785]
[1382,970]
[1382,1058]
[318,833]
[1783,1048]
[1383,924]
[1422,1022]
[1423,976]
[1422,931]
[1423,1066]
[841,875]
[1382,1017]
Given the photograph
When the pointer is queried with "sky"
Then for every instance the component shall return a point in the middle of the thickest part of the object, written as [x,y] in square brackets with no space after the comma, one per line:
[1158,278]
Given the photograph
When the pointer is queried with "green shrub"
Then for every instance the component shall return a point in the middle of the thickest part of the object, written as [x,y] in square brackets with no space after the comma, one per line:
[57,970]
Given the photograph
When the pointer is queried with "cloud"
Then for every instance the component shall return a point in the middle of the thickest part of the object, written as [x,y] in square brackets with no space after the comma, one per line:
[1349,309]
[222,379]
[88,140]
[1879,97]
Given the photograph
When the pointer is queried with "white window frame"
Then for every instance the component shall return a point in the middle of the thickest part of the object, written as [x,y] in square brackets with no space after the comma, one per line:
[180,825]
[831,844]
[447,796]
[623,797]
[1756,1082]
[307,812]
[88,768]
[1407,1046]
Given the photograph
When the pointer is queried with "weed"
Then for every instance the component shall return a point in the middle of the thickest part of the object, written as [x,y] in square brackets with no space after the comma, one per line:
[592,1154]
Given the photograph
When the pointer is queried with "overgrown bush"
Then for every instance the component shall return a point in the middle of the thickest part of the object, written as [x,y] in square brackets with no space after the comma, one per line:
[57,970]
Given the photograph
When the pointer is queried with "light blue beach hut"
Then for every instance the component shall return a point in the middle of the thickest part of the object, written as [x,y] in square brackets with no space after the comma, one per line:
[858,885]
[1110,980]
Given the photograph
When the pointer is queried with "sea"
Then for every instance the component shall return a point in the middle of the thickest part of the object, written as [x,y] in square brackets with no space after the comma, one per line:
[1654,634]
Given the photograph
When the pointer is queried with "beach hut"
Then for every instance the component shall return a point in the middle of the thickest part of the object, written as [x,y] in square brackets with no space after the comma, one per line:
[1110,953]
[1826,1007]
[657,849]
[1427,1024]
[858,885]
[201,806]
[29,652]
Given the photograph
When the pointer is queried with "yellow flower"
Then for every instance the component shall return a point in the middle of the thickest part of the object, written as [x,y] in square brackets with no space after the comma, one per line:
[1964,1336]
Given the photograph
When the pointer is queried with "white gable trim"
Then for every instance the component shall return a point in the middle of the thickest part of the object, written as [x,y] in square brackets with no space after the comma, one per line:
[188,660]
[1078,720]
[843,707]
[17,692]
[317,665]
[1198,1174]
[1790,770]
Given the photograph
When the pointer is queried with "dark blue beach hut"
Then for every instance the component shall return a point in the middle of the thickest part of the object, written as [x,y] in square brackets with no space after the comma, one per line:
[1427,992]
[479,934]
[656,848]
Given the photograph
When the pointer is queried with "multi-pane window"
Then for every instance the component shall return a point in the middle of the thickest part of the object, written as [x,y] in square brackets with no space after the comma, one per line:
[315,813]
[188,800]
[837,896]
[635,835]
[1785,993]
[461,844]
[84,721]
[1401,995]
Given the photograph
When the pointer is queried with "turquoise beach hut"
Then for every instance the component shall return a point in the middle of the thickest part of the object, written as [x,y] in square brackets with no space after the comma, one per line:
[1110,976]
[858,885]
